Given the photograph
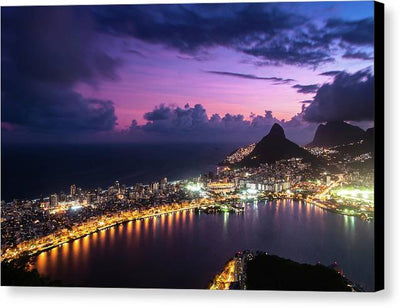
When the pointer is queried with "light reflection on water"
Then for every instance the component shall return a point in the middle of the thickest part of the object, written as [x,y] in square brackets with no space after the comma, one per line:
[146,227]
[226,218]
[184,250]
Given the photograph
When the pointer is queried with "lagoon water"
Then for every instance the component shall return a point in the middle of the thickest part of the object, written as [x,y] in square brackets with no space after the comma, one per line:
[186,249]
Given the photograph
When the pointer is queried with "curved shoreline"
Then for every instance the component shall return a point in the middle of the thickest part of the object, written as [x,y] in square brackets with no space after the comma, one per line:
[32,253]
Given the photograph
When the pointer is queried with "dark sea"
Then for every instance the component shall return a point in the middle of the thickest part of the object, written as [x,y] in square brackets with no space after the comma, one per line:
[27,171]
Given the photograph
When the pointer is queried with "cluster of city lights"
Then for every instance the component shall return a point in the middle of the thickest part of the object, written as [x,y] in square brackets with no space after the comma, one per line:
[356,194]
[249,194]
[194,187]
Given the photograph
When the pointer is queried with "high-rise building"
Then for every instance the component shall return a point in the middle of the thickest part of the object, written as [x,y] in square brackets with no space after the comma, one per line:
[154,187]
[63,197]
[53,200]
[73,190]
[117,187]
[285,185]
[91,198]
[277,187]
[328,180]
[163,183]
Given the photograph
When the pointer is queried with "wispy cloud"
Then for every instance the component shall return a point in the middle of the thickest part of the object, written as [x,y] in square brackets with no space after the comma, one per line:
[275,80]
[135,52]
[330,73]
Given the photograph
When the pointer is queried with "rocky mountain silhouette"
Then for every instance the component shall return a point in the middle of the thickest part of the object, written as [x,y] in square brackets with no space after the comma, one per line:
[274,147]
[336,133]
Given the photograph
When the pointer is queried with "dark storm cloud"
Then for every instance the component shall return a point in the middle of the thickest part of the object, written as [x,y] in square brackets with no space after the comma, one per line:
[276,80]
[266,32]
[357,55]
[306,89]
[188,29]
[359,32]
[277,53]
[312,46]
[47,107]
[46,51]
[350,97]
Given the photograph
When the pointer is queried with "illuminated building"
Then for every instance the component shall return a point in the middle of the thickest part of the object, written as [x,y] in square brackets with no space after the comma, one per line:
[91,198]
[73,190]
[163,183]
[154,187]
[238,274]
[117,187]
[221,187]
[241,259]
[53,200]
[251,185]
[285,185]
[63,197]
[328,180]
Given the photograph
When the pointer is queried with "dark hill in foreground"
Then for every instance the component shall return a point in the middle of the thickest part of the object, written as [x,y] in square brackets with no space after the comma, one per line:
[269,272]
[16,274]
[336,133]
[274,147]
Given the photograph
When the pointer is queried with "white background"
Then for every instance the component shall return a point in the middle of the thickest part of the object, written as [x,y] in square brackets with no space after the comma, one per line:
[390,297]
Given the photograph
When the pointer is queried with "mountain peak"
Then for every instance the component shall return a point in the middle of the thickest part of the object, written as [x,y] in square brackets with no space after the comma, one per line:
[336,133]
[277,130]
[274,147]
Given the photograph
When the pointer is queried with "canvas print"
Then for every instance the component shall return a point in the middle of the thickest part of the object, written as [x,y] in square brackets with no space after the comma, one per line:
[227,146]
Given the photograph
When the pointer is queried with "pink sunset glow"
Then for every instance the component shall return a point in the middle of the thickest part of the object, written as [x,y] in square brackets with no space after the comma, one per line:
[171,79]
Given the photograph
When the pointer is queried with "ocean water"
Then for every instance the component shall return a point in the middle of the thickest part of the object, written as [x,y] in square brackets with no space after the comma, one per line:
[28,171]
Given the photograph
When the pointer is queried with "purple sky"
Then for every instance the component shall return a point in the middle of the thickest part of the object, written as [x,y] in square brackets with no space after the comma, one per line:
[166,77]
[88,72]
